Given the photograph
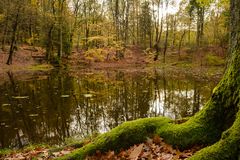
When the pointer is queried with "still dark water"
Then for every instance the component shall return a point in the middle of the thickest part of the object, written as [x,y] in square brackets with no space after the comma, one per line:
[49,108]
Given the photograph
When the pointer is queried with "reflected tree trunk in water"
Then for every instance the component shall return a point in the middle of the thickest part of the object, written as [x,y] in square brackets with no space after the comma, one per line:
[164,93]
[125,103]
[157,94]
[196,99]
[2,135]
[13,109]
[124,98]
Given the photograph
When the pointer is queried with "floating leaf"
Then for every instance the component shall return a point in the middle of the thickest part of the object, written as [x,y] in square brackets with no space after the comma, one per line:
[33,115]
[65,96]
[87,95]
[20,97]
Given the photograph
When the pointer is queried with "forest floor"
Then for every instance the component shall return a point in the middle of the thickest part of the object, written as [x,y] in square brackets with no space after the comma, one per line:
[28,58]
[153,148]
[23,63]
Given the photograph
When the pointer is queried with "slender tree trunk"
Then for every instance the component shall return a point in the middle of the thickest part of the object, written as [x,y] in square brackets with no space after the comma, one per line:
[127,23]
[13,40]
[60,32]
[165,44]
[157,46]
[78,41]
[189,31]
[174,31]
[49,45]
[5,34]
[137,15]
[200,26]
[180,44]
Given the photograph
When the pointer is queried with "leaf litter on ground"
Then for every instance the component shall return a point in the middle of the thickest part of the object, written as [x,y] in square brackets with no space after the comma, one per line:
[40,153]
[152,149]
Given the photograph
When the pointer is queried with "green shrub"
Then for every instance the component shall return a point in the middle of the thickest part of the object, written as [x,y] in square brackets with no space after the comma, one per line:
[212,60]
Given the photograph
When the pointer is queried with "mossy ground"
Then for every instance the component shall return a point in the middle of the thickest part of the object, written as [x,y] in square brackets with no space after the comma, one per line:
[6,151]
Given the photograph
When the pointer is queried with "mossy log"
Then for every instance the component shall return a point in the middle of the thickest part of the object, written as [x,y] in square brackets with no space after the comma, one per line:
[216,126]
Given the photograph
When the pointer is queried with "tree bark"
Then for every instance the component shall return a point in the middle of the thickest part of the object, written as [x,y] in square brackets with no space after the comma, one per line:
[5,33]
[180,44]
[219,122]
[13,40]
[157,45]
[49,45]
[165,44]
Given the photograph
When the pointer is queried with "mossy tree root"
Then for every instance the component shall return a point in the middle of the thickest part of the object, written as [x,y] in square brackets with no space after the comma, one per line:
[227,148]
[123,136]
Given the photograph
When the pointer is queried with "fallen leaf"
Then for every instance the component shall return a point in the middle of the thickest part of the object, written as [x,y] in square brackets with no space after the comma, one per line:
[136,152]
[166,156]
[110,154]
[157,139]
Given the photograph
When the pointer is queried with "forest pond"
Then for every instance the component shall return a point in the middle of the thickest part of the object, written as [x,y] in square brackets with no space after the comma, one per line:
[49,107]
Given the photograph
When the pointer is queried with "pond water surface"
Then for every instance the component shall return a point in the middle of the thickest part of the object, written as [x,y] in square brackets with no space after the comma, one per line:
[51,107]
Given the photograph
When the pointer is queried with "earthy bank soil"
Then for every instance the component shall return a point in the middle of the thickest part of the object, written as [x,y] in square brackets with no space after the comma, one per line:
[22,58]
[29,58]
[133,56]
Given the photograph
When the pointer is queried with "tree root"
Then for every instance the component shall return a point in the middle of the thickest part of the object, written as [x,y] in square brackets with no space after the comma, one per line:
[123,136]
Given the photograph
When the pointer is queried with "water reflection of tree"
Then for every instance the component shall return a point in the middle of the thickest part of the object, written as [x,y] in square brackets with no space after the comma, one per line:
[96,102]
[38,115]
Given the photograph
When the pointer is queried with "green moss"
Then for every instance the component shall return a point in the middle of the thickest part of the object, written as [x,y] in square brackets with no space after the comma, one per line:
[213,60]
[5,152]
[123,136]
[31,147]
[227,148]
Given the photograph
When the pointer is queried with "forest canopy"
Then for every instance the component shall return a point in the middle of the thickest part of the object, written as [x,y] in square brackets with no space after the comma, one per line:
[63,26]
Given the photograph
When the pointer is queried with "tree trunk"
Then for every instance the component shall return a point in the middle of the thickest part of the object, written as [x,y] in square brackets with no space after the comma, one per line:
[180,44]
[13,40]
[165,44]
[189,31]
[60,31]
[78,41]
[157,45]
[200,26]
[219,122]
[5,33]
[49,45]
[174,29]
[127,23]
